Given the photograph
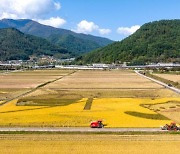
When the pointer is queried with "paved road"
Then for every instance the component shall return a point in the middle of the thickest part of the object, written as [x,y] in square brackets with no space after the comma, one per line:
[161,83]
[77,129]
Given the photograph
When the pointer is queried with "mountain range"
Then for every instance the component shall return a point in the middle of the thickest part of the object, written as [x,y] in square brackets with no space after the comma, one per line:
[15,45]
[75,43]
[157,41]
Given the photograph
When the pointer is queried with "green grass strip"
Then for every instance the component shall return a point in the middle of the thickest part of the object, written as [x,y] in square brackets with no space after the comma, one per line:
[88,104]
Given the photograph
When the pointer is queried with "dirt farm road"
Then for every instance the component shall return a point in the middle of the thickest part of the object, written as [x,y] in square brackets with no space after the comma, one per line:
[159,82]
[77,129]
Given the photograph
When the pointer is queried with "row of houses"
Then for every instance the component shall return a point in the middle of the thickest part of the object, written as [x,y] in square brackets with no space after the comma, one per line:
[18,64]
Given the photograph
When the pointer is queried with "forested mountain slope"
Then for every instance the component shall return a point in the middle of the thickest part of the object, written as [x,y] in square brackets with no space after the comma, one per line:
[157,41]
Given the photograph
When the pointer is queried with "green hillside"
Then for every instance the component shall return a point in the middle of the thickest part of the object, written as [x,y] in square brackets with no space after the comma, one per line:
[15,45]
[157,41]
[75,43]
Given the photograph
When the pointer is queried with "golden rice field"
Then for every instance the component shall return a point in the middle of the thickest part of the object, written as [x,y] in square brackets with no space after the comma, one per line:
[115,112]
[87,144]
[118,98]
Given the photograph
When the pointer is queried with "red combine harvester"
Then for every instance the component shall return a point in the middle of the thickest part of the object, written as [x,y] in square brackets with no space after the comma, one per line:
[97,124]
[170,127]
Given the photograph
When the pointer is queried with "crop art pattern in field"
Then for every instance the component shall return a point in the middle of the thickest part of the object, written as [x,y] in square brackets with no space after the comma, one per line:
[116,97]
[113,111]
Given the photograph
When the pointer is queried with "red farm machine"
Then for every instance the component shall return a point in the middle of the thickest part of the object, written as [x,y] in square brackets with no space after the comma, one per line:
[171,127]
[97,124]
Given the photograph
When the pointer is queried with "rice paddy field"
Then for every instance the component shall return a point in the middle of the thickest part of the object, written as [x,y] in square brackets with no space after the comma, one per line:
[65,98]
[75,144]
[171,77]
[13,84]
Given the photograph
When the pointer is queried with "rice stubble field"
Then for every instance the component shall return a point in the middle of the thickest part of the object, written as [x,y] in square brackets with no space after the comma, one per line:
[171,77]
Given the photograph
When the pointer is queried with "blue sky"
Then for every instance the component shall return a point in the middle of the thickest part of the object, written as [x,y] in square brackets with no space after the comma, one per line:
[114,19]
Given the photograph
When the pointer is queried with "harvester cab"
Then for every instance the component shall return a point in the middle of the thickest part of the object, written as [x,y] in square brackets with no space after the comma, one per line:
[97,124]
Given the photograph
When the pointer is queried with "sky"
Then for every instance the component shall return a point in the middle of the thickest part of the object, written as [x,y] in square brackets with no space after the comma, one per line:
[114,19]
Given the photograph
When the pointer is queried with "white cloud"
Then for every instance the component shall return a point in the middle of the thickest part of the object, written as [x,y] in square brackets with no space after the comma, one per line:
[104,31]
[88,27]
[55,22]
[31,9]
[27,8]
[128,30]
[8,15]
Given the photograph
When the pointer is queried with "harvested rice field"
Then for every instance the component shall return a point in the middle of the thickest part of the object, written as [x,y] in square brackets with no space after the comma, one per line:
[87,144]
[104,80]
[14,84]
[119,98]
[28,79]
[171,77]
[107,84]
